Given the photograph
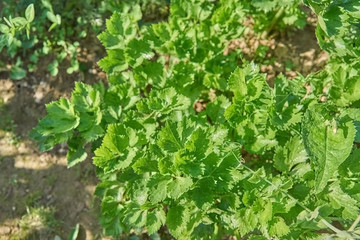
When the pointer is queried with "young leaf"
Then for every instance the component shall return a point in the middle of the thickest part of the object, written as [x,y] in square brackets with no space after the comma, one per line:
[4,29]
[19,22]
[53,68]
[17,73]
[74,232]
[30,13]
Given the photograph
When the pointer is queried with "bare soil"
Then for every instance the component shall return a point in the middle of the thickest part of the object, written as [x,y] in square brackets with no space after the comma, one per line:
[290,52]
[33,179]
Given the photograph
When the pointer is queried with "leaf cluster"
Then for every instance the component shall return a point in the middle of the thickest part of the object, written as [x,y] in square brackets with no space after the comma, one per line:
[256,162]
[338,30]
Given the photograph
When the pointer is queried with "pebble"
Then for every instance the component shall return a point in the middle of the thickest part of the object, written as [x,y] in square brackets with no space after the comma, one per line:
[4,230]
[281,50]
[309,55]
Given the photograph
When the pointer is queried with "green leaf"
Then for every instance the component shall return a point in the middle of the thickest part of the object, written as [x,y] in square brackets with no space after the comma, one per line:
[265,5]
[288,94]
[158,188]
[339,199]
[76,152]
[90,123]
[278,227]
[58,126]
[332,20]
[17,73]
[114,62]
[204,232]
[137,51]
[216,109]
[160,162]
[47,4]
[56,19]
[86,98]
[246,83]
[164,101]
[345,86]
[113,25]
[74,232]
[115,152]
[155,219]
[172,137]
[53,68]
[328,141]
[291,154]
[179,186]
[247,219]
[19,22]
[111,41]
[8,23]
[266,214]
[134,215]
[237,84]
[4,29]
[203,194]
[146,164]
[351,166]
[30,13]
[149,73]
[111,212]
[176,220]
[257,176]
[61,118]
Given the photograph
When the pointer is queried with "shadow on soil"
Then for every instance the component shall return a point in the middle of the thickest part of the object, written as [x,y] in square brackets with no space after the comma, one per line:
[39,197]
[64,194]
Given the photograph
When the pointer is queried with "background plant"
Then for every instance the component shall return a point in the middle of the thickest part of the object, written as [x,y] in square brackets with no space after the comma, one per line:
[57,30]
[8,39]
[271,16]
